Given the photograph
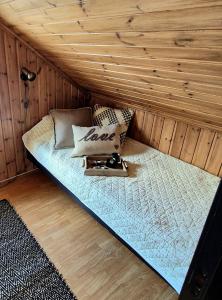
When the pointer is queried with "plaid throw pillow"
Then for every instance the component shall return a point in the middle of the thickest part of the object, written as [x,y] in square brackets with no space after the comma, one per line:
[103,116]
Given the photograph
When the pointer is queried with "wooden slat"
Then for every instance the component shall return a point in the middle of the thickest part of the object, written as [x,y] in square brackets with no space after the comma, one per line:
[59,91]
[180,65]
[137,125]
[74,96]
[82,97]
[203,147]
[195,18]
[166,135]
[220,172]
[3,166]
[184,86]
[146,72]
[6,116]
[147,127]
[23,94]
[178,138]
[51,85]
[14,93]
[214,160]
[156,131]
[67,94]
[146,85]
[196,54]
[43,92]
[33,108]
[190,142]
[66,9]
[21,54]
[191,39]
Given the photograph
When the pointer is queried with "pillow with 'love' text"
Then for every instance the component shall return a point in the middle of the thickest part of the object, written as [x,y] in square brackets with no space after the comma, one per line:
[96,140]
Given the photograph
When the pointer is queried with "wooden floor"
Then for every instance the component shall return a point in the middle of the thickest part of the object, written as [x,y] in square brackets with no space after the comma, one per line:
[93,262]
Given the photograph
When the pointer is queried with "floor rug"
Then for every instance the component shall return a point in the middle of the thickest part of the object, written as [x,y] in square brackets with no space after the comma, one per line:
[26,273]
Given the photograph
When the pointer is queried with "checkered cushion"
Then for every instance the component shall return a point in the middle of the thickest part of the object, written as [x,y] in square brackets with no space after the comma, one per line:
[103,116]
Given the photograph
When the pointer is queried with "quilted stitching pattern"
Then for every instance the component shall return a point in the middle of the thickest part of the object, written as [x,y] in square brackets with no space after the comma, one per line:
[159,210]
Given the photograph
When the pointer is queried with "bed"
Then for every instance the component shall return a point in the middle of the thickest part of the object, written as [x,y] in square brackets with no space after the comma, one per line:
[158,211]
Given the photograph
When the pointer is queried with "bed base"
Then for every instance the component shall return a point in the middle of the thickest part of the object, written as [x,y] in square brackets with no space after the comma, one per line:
[207,245]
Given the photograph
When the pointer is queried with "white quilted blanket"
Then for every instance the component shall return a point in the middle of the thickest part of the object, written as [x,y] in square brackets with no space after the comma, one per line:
[159,210]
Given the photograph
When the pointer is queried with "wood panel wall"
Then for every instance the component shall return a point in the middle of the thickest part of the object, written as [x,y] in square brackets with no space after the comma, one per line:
[51,89]
[199,146]
[163,57]
[163,54]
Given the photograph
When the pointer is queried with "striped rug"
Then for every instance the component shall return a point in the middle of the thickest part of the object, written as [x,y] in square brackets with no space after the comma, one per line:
[25,271]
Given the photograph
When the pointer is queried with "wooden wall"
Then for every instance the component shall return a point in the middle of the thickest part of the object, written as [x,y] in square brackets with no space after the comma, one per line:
[50,89]
[163,57]
[199,146]
[165,54]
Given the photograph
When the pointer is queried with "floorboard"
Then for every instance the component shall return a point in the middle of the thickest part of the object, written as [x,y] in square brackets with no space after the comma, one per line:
[94,263]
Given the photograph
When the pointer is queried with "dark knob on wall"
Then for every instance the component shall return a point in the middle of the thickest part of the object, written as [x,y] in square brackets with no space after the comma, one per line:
[27,75]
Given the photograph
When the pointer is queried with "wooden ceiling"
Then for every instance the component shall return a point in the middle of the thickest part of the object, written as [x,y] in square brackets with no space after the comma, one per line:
[162,54]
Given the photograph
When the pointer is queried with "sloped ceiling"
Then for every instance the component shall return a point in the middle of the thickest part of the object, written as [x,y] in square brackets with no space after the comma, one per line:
[165,54]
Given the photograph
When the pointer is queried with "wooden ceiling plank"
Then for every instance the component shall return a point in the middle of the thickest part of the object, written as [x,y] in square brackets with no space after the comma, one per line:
[193,19]
[152,88]
[196,54]
[190,39]
[170,95]
[149,71]
[148,100]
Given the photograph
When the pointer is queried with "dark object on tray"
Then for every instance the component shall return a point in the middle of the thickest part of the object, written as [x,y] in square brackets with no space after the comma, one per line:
[114,161]
[105,165]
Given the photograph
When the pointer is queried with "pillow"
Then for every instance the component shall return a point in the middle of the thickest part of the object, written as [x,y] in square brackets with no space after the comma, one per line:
[103,115]
[63,121]
[96,140]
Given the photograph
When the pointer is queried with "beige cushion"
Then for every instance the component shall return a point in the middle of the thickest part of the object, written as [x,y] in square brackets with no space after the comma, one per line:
[63,121]
[96,140]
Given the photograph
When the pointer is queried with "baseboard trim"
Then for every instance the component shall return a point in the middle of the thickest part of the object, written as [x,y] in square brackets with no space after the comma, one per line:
[11,179]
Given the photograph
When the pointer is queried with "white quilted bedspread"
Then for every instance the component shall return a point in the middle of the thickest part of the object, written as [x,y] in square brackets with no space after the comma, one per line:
[159,210]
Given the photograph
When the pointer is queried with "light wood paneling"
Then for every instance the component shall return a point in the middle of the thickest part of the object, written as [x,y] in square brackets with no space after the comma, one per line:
[162,57]
[96,265]
[42,94]
[178,139]
[213,163]
[199,146]
[6,115]
[167,135]
[163,54]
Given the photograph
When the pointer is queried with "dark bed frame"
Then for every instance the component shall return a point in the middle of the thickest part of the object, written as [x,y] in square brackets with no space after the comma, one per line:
[201,280]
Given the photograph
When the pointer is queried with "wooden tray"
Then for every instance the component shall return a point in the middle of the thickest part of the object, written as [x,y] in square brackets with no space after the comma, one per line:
[91,171]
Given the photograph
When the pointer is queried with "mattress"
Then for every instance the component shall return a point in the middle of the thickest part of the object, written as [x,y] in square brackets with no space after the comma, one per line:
[159,210]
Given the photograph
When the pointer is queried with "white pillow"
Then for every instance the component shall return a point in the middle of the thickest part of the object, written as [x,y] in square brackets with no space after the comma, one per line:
[96,140]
